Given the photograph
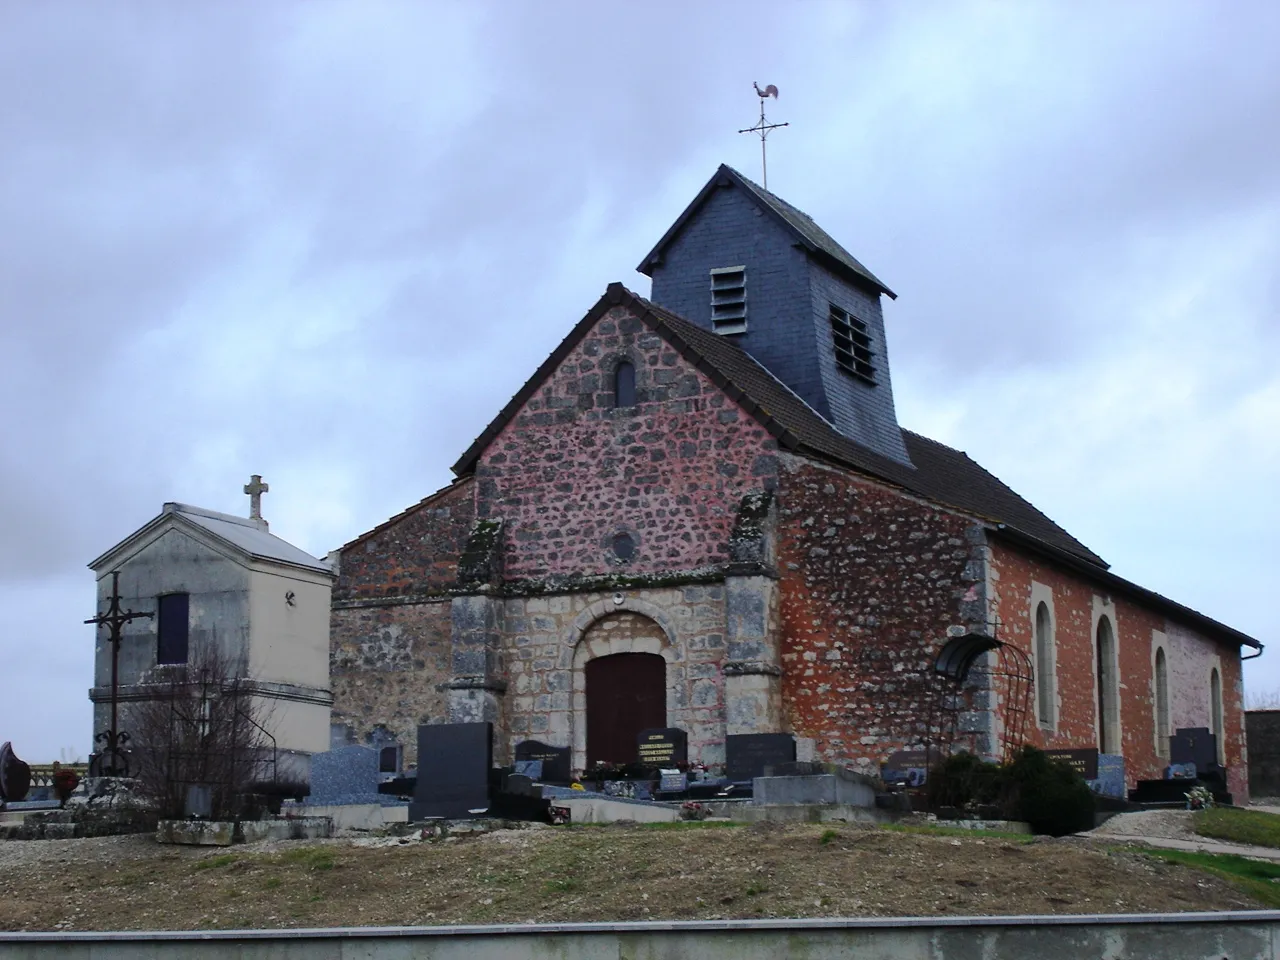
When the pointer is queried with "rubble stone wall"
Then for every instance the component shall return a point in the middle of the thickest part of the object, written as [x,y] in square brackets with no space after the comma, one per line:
[871,581]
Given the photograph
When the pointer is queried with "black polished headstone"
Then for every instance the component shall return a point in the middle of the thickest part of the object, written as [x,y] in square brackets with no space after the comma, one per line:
[906,768]
[556,764]
[748,754]
[15,775]
[454,762]
[1194,745]
[662,747]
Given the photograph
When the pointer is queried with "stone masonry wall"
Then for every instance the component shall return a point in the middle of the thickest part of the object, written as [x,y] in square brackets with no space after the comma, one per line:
[549,639]
[871,581]
[389,633]
[1137,629]
[570,470]
[415,553]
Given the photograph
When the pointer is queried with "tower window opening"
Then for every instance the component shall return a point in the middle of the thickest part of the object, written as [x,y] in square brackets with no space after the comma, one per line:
[852,345]
[729,300]
[624,384]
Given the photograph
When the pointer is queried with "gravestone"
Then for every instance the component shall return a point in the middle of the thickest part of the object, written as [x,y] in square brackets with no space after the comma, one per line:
[556,763]
[748,754]
[906,768]
[15,775]
[663,747]
[454,760]
[672,781]
[528,768]
[1194,745]
[391,759]
[346,775]
[1110,779]
[1083,762]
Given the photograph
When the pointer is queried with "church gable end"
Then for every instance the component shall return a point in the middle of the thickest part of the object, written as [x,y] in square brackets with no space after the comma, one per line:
[589,485]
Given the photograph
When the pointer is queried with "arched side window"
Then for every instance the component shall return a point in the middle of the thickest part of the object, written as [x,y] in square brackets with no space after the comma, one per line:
[1215,712]
[1108,689]
[1162,704]
[624,384]
[1045,679]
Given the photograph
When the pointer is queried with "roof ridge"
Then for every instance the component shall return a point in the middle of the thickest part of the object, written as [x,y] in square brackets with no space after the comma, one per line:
[174,506]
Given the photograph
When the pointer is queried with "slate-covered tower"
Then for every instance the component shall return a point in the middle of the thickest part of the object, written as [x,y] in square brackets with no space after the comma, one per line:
[746,264]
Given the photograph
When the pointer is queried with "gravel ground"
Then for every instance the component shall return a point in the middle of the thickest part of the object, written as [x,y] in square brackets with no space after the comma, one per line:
[1165,824]
[618,872]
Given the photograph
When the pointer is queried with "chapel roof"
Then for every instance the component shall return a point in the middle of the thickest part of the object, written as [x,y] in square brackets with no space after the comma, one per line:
[799,224]
[246,536]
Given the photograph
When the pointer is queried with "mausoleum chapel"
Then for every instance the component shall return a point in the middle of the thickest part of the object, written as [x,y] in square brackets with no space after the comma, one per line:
[701,513]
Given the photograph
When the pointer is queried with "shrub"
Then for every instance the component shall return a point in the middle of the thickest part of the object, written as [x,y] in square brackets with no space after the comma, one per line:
[963,780]
[1047,793]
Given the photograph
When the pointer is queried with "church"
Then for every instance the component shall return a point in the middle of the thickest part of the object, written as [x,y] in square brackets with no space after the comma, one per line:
[700,512]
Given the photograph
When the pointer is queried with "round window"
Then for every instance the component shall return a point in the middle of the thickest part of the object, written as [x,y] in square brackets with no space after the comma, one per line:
[624,547]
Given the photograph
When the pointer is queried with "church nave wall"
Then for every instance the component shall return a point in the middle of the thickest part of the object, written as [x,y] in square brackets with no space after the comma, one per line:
[871,581]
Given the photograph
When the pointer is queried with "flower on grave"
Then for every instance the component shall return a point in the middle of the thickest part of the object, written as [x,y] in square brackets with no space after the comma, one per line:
[693,810]
[576,786]
[1199,797]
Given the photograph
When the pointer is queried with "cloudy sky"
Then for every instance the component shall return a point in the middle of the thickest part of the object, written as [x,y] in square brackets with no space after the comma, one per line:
[325,242]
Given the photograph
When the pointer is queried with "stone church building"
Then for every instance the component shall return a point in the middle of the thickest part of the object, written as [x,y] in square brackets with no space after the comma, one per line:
[701,512]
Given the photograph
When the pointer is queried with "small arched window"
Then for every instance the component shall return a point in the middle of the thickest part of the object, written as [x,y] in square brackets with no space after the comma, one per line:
[1044,666]
[1215,712]
[1162,704]
[624,384]
[1108,690]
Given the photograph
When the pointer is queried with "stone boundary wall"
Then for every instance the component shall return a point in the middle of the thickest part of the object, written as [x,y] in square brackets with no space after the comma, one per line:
[1242,935]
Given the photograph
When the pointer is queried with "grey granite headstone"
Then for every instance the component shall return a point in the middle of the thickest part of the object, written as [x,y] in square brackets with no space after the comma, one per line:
[454,760]
[1194,745]
[346,775]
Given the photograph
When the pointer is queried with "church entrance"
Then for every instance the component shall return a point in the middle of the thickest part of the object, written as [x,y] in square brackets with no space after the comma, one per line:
[626,693]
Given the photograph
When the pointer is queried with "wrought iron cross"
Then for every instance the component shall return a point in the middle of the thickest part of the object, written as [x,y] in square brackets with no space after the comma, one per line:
[763,128]
[111,760]
[255,488]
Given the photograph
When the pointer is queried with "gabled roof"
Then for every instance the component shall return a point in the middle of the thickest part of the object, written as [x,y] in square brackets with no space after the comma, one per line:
[250,538]
[799,224]
[940,473]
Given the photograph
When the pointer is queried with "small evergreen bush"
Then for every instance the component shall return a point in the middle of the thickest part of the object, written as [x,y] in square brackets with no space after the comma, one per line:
[1047,793]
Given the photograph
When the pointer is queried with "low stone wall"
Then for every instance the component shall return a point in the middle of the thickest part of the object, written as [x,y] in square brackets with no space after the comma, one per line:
[223,833]
[1243,935]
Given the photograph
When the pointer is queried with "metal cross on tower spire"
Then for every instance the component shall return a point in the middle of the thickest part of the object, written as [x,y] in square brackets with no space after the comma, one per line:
[112,761]
[763,128]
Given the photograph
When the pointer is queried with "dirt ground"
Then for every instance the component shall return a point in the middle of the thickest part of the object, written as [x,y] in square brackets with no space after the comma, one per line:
[619,872]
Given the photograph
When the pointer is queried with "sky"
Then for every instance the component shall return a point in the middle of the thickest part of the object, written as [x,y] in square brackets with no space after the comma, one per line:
[325,242]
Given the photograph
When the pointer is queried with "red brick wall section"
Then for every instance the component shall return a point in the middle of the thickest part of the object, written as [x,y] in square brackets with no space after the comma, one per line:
[570,470]
[871,580]
[1190,657]
[417,553]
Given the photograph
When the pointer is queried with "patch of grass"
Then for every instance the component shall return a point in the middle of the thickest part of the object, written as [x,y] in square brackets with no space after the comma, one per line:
[313,858]
[213,863]
[692,825]
[273,883]
[1258,878]
[1238,826]
[959,832]
[755,887]
[562,885]
[827,837]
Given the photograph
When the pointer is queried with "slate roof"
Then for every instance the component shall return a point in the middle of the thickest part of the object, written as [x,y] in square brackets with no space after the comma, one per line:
[802,226]
[245,535]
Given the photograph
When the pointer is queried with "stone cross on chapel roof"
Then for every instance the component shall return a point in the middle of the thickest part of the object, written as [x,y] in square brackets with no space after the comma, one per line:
[255,488]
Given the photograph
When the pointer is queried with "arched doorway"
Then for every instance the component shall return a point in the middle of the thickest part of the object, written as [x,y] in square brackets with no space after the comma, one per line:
[626,693]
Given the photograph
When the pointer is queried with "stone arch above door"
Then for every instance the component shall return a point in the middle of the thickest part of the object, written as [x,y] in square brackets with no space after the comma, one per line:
[616,628]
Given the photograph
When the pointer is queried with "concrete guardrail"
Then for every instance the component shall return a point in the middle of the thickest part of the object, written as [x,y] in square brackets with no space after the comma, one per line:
[1245,935]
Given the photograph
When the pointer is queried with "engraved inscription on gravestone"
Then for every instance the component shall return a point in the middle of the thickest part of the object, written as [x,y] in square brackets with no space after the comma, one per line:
[1083,762]
[672,781]
[663,747]
[906,767]
[747,755]
[556,761]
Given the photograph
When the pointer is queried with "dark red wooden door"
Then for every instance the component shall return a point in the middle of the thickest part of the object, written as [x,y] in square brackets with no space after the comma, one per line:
[626,693]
